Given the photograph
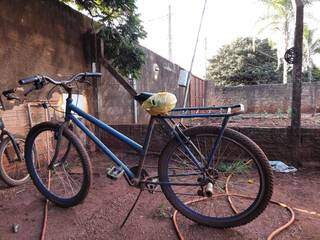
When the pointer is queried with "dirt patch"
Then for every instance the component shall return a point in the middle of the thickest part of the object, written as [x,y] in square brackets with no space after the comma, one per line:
[100,216]
[265,120]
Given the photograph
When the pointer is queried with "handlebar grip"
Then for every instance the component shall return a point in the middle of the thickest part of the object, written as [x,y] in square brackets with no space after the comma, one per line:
[93,74]
[29,80]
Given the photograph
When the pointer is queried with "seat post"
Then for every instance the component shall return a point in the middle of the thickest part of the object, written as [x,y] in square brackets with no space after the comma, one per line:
[146,145]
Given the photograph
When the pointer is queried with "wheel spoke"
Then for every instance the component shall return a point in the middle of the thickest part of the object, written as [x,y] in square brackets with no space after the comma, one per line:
[233,161]
[13,170]
[69,178]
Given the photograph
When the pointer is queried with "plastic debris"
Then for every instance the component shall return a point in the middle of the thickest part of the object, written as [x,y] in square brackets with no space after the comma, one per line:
[251,181]
[279,166]
[15,227]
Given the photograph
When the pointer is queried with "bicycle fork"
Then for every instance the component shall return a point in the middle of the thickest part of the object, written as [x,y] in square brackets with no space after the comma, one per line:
[58,137]
[15,147]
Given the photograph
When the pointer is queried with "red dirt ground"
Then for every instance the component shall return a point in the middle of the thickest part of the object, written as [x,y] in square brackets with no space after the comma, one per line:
[100,216]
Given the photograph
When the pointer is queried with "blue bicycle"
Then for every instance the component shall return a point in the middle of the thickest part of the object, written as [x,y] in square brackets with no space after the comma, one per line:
[200,170]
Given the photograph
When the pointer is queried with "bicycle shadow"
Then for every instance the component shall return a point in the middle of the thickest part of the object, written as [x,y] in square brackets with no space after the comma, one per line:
[3,185]
[191,230]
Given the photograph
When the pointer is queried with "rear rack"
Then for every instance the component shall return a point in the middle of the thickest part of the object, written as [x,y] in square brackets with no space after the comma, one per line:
[205,112]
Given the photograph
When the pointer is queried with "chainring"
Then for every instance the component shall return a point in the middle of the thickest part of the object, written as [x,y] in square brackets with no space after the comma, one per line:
[144,173]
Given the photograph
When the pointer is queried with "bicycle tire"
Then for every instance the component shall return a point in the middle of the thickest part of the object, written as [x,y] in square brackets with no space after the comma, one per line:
[10,181]
[261,201]
[83,156]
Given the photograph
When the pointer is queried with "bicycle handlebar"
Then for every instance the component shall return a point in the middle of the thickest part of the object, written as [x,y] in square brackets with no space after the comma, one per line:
[92,74]
[39,79]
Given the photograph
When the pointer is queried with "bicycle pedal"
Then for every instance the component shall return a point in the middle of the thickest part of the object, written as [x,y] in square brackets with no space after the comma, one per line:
[152,187]
[114,172]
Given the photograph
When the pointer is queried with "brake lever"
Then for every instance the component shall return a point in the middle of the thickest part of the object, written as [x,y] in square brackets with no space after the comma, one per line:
[9,91]
[36,86]
[10,95]
[26,93]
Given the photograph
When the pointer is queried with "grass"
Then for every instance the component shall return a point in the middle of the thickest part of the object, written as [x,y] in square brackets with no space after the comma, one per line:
[163,212]
[234,167]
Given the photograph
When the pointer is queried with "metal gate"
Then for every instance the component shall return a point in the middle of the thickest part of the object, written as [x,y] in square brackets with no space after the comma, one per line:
[197,92]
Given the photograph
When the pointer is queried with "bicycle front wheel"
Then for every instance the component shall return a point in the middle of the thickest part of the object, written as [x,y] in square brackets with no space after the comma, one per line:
[13,169]
[67,182]
[239,181]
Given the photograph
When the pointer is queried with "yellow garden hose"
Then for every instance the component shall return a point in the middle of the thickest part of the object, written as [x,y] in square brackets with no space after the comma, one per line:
[45,214]
[275,232]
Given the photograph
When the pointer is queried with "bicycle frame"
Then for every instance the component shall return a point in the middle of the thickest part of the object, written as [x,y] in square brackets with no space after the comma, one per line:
[142,150]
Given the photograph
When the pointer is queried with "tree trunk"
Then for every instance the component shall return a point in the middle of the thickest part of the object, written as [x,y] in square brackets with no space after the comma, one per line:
[296,84]
[297,68]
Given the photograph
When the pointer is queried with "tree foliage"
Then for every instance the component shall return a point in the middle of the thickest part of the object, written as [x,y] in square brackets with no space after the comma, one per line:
[121,29]
[280,20]
[311,47]
[239,63]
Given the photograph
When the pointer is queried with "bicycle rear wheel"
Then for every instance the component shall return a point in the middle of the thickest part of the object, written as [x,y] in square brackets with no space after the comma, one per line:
[13,170]
[241,178]
[67,183]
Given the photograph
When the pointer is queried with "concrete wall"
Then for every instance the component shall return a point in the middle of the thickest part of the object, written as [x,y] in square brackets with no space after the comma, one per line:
[46,37]
[275,142]
[158,74]
[166,79]
[265,98]
[39,37]
[114,102]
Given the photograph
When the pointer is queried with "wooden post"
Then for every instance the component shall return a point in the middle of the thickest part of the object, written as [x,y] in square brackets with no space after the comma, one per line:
[296,83]
[119,78]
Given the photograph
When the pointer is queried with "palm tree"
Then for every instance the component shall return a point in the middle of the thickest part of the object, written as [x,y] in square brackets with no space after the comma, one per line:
[311,48]
[280,19]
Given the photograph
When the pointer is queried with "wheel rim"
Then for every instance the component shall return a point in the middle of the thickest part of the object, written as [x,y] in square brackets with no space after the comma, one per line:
[14,169]
[67,175]
[234,163]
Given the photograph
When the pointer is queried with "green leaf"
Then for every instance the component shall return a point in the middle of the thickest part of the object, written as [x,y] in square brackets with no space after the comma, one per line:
[122,30]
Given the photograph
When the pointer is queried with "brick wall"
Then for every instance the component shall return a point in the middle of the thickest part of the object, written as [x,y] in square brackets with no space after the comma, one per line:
[269,98]
[137,132]
[275,142]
